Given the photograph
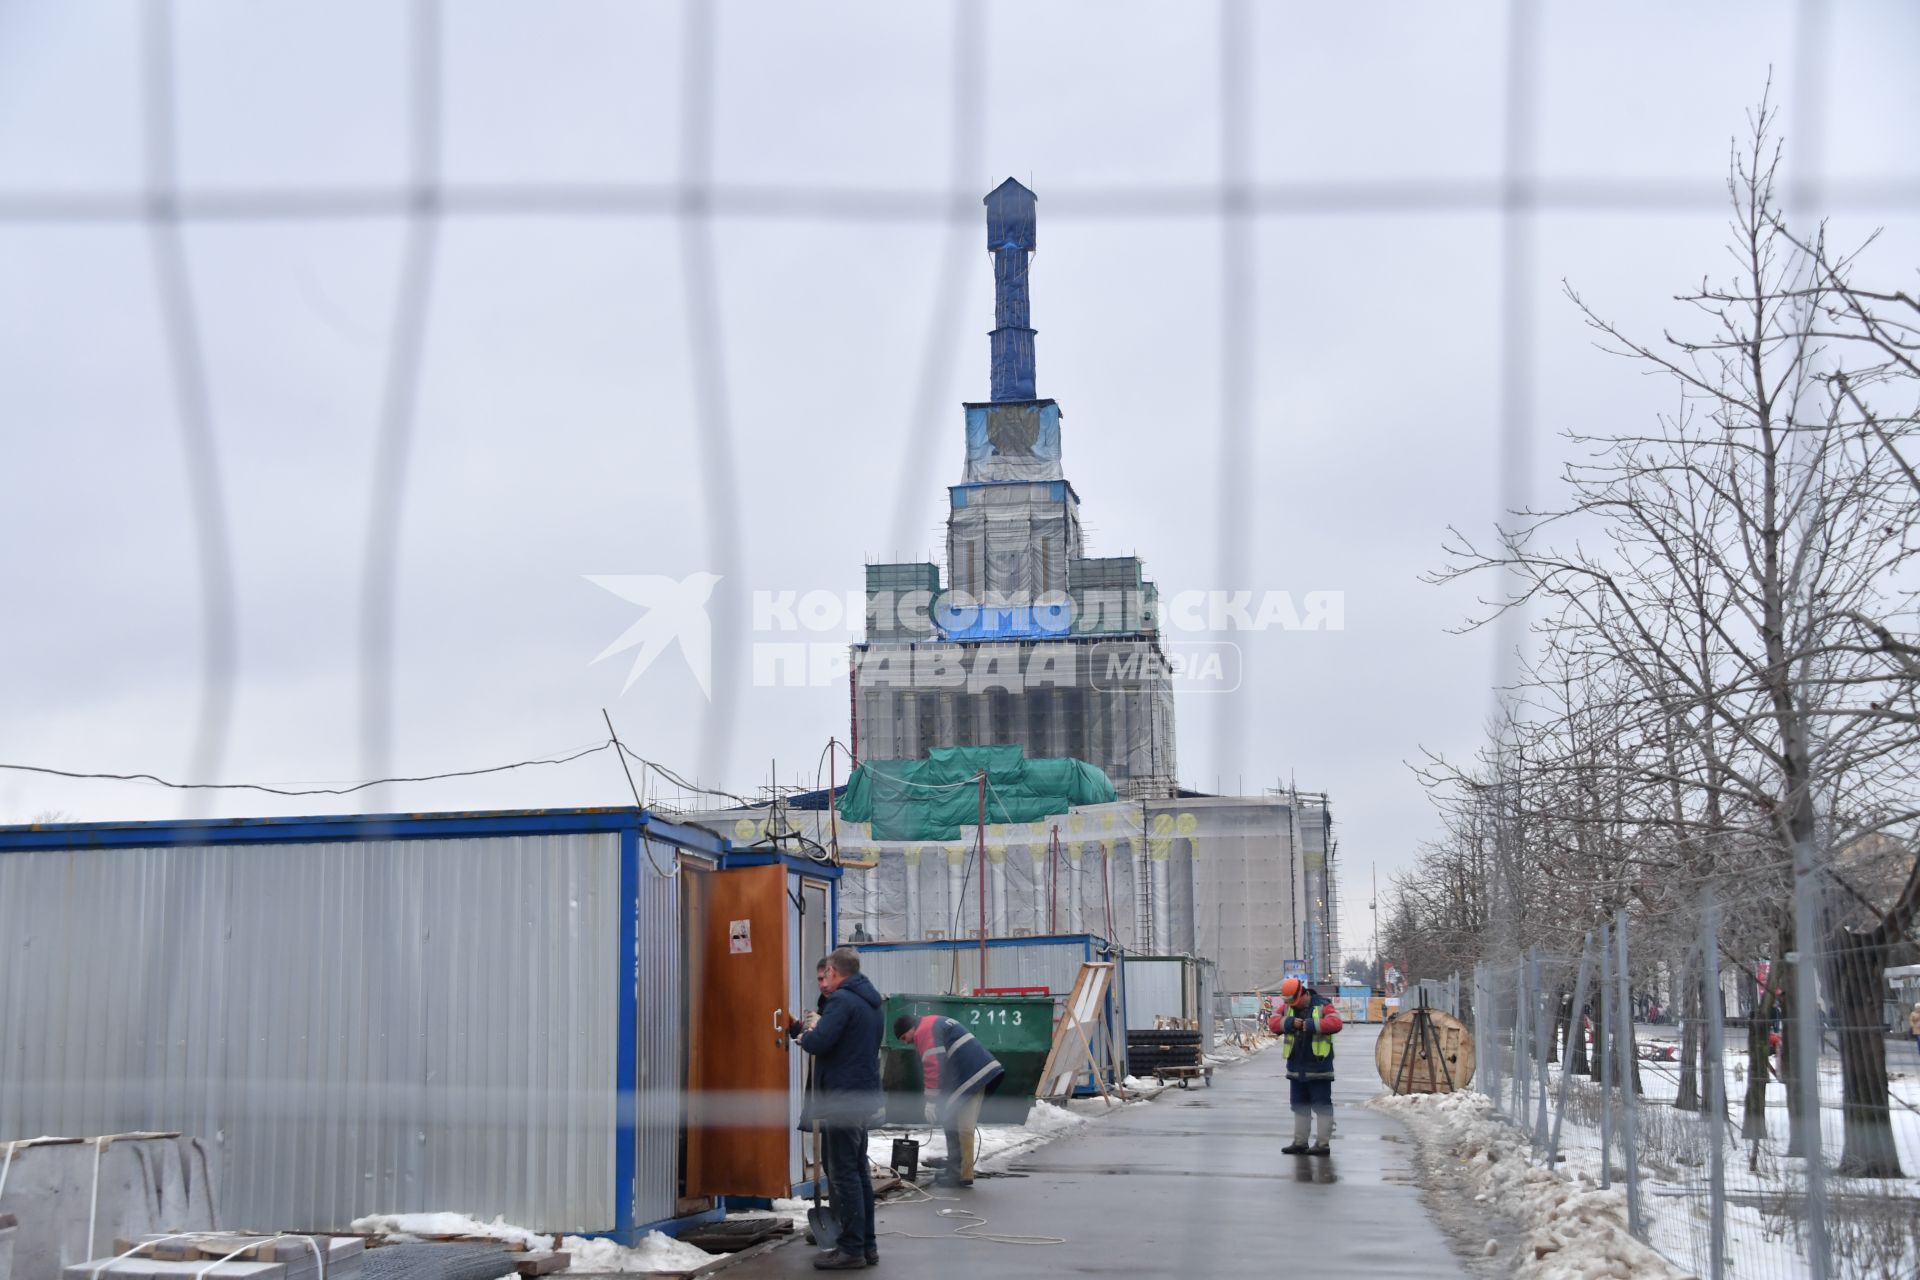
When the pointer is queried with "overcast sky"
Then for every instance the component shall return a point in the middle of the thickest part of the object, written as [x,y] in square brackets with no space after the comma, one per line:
[558,432]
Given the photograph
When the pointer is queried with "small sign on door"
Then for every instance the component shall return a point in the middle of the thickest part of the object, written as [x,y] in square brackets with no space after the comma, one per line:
[740,937]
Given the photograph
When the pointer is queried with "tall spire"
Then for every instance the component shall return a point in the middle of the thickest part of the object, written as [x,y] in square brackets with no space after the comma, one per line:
[1011,239]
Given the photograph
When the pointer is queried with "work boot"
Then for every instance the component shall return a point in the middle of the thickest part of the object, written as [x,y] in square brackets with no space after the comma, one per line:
[1302,1127]
[947,1178]
[1322,1133]
[835,1260]
[873,1257]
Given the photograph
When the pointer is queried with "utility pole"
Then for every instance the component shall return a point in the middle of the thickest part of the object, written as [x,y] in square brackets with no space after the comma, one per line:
[980,863]
[1373,904]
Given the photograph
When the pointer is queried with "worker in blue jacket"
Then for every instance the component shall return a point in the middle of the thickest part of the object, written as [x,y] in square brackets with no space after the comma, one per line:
[845,1043]
[956,1071]
[1306,1024]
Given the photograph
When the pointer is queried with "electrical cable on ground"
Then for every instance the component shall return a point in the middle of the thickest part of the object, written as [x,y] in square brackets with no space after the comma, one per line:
[968,1230]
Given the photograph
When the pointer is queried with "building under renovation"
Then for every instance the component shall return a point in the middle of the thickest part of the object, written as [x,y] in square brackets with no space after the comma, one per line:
[1029,641]
[1238,880]
[987,687]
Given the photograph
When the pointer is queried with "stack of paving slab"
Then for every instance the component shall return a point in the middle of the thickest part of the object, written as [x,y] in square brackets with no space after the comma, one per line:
[220,1256]
[227,1257]
[73,1197]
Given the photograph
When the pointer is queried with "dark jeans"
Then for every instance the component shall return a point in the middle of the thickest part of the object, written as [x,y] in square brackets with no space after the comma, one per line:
[850,1185]
[1311,1095]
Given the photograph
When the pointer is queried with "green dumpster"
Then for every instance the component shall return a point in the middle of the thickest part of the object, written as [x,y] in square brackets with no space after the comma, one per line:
[1018,1030]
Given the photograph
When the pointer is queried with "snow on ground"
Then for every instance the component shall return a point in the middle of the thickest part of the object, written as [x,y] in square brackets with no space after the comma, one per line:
[657,1252]
[1575,1230]
[450,1224]
[1660,1081]
[1044,1123]
[1870,1219]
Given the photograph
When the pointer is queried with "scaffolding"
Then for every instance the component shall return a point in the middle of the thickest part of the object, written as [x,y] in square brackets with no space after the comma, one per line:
[1211,876]
[1030,642]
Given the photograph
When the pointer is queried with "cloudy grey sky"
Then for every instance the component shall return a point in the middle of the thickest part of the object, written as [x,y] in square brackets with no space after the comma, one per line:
[836,299]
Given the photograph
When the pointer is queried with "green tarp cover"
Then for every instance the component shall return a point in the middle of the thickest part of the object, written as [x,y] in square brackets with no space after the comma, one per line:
[932,799]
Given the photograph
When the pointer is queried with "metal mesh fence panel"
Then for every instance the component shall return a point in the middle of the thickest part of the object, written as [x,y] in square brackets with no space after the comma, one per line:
[1683,1106]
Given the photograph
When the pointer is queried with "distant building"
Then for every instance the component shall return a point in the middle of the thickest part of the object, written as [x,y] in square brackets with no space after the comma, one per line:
[1024,639]
[1029,641]
[1240,880]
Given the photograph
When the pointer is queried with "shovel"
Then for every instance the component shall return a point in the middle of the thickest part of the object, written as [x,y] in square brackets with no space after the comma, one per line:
[822,1225]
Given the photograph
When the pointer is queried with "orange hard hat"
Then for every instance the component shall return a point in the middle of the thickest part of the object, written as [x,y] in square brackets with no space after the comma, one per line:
[1293,991]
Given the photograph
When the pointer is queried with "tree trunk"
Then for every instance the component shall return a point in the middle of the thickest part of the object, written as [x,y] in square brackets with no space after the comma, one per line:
[1689,1096]
[1633,1056]
[1790,1054]
[1596,1066]
[1857,972]
[1577,1040]
[1753,1121]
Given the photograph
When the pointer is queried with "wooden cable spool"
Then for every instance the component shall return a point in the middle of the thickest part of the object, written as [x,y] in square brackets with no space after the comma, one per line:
[1407,1062]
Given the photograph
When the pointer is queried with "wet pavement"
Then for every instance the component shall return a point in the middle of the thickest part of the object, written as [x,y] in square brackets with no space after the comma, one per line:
[1192,1185]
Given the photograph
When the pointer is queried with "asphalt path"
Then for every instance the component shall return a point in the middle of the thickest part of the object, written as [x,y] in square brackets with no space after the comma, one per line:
[1192,1184]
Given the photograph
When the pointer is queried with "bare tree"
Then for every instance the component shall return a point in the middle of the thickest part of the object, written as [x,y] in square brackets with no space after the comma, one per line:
[1729,581]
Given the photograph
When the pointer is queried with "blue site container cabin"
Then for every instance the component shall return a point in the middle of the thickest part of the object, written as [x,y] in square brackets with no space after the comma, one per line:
[494,1013]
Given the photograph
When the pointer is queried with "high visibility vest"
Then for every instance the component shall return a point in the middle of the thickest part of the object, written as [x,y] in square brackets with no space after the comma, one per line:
[1322,1046]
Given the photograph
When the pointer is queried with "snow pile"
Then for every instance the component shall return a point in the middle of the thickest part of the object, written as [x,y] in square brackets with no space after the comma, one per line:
[1044,1123]
[450,1224]
[657,1252]
[1575,1230]
[1049,1120]
[1144,1084]
[588,1256]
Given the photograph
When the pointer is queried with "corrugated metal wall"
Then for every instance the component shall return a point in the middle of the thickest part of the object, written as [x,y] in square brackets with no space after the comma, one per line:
[810,938]
[1202,1008]
[357,1026]
[661,1055]
[1155,985]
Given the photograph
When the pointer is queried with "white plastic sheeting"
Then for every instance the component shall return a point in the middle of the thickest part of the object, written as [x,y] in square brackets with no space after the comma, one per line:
[1012,542]
[1215,876]
[1018,440]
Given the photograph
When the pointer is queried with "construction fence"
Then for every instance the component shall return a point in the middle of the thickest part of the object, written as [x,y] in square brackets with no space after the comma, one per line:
[1665,1063]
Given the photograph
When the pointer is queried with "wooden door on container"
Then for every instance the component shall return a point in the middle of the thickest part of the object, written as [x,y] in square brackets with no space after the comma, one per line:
[738,1122]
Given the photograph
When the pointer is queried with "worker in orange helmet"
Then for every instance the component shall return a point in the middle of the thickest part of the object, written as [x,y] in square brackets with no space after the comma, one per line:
[1306,1025]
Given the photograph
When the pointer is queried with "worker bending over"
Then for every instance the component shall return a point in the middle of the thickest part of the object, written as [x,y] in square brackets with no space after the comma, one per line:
[957,1071]
[1306,1027]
